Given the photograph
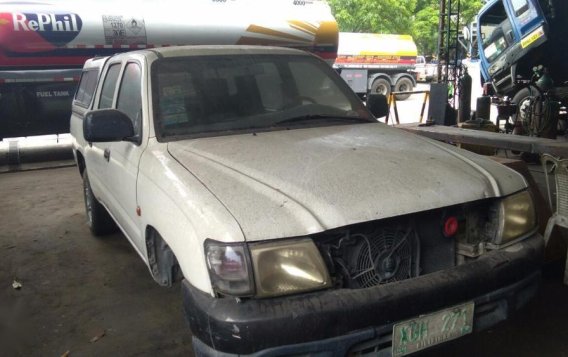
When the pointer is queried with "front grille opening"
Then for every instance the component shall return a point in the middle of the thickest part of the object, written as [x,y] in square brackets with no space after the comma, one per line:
[396,249]
[363,258]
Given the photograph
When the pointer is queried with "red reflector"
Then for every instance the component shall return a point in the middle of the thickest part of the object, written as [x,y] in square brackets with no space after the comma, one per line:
[450,226]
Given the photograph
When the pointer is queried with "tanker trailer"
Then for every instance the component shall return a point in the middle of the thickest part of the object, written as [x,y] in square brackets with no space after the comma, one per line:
[44,44]
[377,63]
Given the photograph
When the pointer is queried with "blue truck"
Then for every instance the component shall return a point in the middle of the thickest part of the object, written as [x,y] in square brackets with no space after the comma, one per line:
[522,46]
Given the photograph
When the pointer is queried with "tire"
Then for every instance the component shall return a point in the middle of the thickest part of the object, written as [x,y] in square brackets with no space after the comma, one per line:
[521,98]
[403,85]
[98,219]
[381,86]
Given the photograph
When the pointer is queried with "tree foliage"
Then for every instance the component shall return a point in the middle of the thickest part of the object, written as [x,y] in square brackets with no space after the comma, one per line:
[362,15]
[418,18]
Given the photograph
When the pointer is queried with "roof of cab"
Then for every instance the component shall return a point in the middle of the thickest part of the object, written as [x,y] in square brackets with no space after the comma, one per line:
[184,51]
[95,62]
[187,51]
[224,50]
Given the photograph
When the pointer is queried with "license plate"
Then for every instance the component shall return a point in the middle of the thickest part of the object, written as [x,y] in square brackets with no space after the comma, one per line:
[429,330]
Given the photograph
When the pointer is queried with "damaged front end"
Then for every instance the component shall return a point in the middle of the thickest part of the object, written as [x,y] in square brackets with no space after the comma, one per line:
[345,290]
[400,248]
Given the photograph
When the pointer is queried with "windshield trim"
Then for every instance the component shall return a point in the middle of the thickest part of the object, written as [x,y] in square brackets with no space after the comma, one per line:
[264,129]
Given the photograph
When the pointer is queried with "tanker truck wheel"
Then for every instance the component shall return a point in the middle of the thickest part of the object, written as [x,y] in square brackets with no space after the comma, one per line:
[381,86]
[98,219]
[403,85]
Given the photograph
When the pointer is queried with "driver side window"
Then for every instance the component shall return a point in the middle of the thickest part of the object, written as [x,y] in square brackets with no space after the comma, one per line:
[130,96]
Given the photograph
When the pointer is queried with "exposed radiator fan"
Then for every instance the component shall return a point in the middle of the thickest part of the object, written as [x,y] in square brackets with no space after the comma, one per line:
[387,255]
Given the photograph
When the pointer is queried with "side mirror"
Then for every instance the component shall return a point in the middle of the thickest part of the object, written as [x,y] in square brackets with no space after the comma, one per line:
[107,125]
[378,105]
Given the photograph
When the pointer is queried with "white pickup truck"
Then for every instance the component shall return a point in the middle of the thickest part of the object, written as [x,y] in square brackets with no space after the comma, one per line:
[425,71]
[295,221]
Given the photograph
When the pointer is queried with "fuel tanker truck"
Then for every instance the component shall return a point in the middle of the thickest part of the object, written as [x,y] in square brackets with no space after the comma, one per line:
[377,63]
[44,44]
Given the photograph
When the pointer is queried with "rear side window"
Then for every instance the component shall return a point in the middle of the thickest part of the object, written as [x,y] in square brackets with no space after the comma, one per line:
[86,87]
[109,86]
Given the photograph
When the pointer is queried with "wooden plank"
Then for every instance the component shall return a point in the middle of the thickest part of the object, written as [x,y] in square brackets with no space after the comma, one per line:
[452,134]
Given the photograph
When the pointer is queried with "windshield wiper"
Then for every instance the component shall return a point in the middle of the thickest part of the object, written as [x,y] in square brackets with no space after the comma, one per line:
[326,117]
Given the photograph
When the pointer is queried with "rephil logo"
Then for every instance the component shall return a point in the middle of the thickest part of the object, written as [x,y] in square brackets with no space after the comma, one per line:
[58,29]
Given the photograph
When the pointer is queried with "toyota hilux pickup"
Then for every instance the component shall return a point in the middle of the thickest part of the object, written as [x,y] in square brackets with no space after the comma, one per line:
[294,221]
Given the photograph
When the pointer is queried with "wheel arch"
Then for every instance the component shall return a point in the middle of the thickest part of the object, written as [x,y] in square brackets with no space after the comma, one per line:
[80,161]
[162,261]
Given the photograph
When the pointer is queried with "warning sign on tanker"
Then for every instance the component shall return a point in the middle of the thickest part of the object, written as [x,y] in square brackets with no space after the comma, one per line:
[124,30]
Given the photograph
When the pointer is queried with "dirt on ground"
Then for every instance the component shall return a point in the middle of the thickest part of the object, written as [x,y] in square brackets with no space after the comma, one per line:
[87,296]
[80,295]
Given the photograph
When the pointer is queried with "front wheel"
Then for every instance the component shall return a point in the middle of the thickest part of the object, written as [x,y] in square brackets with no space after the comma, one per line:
[98,219]
[403,85]
[523,101]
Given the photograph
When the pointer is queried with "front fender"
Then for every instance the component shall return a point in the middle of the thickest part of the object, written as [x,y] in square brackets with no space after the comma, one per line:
[183,211]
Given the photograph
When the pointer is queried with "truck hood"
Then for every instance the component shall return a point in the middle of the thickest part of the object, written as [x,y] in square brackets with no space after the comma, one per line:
[297,182]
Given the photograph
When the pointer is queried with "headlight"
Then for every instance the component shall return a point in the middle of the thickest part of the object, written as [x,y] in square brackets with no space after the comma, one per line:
[287,267]
[517,217]
[280,268]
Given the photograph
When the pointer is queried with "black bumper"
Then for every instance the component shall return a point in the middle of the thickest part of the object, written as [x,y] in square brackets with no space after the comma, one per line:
[336,320]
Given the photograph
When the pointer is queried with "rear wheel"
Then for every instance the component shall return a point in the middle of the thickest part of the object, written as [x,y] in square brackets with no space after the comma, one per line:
[403,85]
[98,219]
[381,86]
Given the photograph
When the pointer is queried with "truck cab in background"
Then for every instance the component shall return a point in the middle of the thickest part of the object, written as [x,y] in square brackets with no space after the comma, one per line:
[520,41]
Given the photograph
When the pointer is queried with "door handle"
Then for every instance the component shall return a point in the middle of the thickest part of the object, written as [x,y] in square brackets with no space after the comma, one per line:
[107,154]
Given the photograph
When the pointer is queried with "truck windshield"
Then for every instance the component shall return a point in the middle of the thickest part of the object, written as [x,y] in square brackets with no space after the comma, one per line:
[211,95]
[496,31]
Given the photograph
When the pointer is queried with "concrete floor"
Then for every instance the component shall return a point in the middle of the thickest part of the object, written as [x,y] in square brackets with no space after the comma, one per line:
[75,287]
[84,296]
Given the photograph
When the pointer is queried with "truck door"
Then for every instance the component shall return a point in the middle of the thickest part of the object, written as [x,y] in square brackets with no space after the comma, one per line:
[97,164]
[117,162]
[123,157]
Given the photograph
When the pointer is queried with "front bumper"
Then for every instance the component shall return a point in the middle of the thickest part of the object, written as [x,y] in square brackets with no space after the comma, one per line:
[337,321]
